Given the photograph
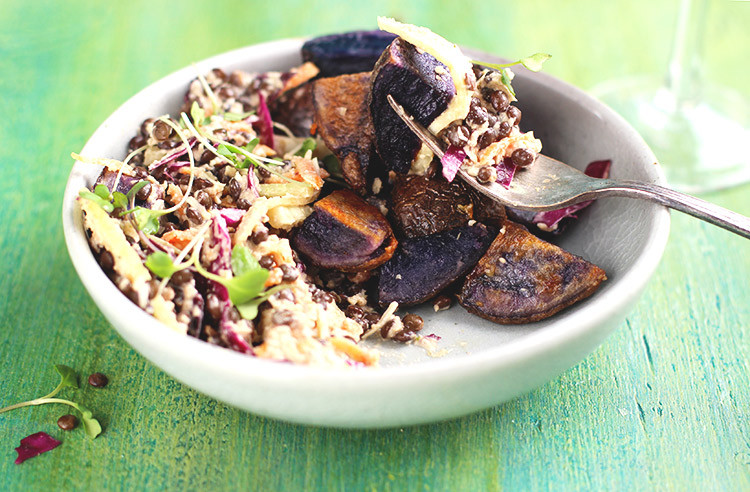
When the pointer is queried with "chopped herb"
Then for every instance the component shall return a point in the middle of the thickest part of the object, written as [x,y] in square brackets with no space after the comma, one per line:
[104,203]
[68,379]
[533,62]
[146,219]
[238,116]
[307,144]
[249,309]
[119,200]
[197,114]
[333,166]
[243,260]
[135,189]
[506,76]
[248,281]
[161,265]
[102,192]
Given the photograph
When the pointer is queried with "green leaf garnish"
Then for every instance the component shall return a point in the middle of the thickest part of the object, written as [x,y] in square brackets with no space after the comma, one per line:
[146,219]
[136,188]
[245,287]
[333,166]
[161,264]
[91,426]
[249,309]
[197,114]
[103,203]
[249,278]
[505,77]
[533,62]
[102,191]
[250,146]
[243,260]
[232,152]
[68,379]
[307,144]
[119,200]
[237,116]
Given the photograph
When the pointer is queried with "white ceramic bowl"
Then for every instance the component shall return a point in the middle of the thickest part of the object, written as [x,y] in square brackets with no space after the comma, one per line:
[485,363]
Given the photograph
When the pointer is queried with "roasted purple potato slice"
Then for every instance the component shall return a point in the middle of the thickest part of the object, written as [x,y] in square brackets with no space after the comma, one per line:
[349,52]
[424,266]
[345,233]
[423,206]
[342,119]
[294,109]
[409,75]
[523,279]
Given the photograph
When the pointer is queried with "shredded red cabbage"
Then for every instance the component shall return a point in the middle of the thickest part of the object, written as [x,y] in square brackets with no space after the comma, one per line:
[169,158]
[34,445]
[551,218]
[265,124]
[252,183]
[505,172]
[451,161]
[222,242]
[232,215]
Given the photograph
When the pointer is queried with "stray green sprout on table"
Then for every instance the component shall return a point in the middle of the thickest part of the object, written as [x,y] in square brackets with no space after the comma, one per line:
[68,379]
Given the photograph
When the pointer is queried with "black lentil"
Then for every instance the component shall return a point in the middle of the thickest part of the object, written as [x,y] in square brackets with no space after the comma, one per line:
[67,422]
[204,199]
[289,273]
[484,175]
[266,261]
[522,157]
[161,131]
[98,380]
[515,113]
[282,317]
[412,322]
[499,101]
[259,235]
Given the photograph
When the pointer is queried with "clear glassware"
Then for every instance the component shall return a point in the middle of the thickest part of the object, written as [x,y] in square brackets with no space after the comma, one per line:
[699,131]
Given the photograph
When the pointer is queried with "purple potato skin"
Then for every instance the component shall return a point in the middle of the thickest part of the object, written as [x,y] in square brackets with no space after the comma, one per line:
[349,52]
[522,279]
[345,233]
[410,77]
[424,266]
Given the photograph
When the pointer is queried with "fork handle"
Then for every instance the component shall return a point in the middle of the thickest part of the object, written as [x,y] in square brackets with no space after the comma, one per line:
[701,209]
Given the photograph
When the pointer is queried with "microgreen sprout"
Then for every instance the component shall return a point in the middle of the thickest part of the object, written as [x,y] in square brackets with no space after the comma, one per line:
[533,63]
[248,280]
[208,91]
[146,219]
[161,265]
[68,379]
[307,144]
[246,286]
[238,116]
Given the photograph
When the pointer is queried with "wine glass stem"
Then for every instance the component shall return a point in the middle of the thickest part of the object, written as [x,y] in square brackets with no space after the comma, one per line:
[684,76]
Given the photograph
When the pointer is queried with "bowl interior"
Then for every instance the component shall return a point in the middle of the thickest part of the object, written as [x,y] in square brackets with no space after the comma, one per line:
[624,237]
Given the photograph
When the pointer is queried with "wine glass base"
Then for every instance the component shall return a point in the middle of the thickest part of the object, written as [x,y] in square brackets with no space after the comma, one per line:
[702,145]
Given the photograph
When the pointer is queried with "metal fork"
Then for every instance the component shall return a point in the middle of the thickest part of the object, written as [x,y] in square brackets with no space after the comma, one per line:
[549,184]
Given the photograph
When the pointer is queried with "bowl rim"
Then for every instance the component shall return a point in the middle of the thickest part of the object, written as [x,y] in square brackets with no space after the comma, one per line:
[537,343]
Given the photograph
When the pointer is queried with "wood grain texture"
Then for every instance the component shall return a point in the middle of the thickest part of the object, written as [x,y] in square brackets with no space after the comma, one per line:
[661,405]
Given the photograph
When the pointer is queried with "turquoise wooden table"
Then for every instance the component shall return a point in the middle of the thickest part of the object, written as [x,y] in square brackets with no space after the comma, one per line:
[662,404]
